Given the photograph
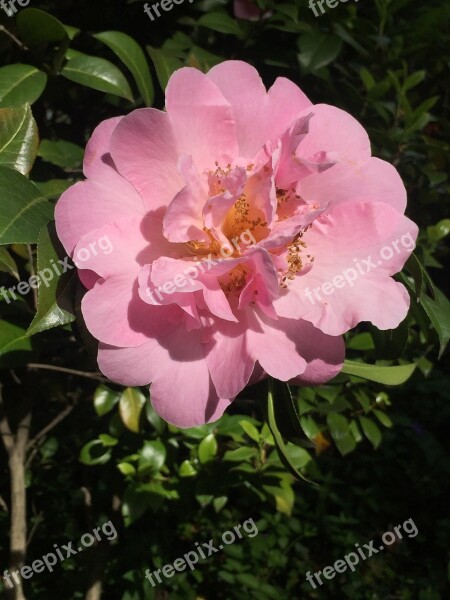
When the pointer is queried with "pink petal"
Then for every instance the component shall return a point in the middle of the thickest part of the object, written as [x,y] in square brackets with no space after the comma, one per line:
[259,116]
[335,132]
[97,155]
[350,242]
[183,220]
[323,353]
[144,150]
[201,118]
[115,314]
[373,180]
[105,200]
[229,376]
[273,348]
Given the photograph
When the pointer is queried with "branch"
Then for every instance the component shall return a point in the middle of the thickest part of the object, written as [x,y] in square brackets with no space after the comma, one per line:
[85,374]
[62,415]
[5,430]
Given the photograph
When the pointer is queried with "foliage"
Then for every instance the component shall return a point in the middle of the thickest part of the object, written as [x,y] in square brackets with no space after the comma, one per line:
[65,68]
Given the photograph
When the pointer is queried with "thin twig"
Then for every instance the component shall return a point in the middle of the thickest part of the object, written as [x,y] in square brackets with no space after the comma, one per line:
[13,37]
[85,374]
[33,273]
[5,430]
[62,415]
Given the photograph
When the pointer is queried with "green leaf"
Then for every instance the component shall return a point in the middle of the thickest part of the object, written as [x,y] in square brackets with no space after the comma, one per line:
[72,32]
[20,84]
[280,445]
[98,74]
[62,154]
[53,188]
[152,457]
[24,210]
[14,344]
[367,78]
[340,432]
[108,440]
[438,311]
[37,27]
[104,400]
[318,50]
[8,264]
[395,375]
[130,407]
[133,57]
[95,453]
[165,64]
[207,449]
[371,431]
[154,419]
[55,291]
[250,430]
[126,469]
[284,497]
[221,22]
[413,80]
[415,269]
[240,454]
[439,231]
[383,418]
[18,138]
[219,503]
[186,469]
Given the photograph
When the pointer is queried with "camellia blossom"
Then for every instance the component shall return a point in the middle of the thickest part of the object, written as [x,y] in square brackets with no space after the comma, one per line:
[235,217]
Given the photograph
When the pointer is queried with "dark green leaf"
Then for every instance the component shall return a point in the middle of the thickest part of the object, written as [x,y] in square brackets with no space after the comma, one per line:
[18,138]
[24,209]
[37,27]
[318,50]
[62,154]
[55,291]
[130,407]
[98,74]
[133,57]
[20,84]
[395,375]
[104,400]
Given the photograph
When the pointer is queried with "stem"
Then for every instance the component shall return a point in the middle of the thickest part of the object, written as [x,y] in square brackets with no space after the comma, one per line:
[85,374]
[15,446]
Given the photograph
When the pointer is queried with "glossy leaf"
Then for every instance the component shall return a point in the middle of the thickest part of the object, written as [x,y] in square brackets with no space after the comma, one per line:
[133,57]
[130,407]
[395,375]
[37,27]
[104,400]
[7,263]
[20,84]
[24,209]
[207,449]
[18,138]
[55,288]
[98,74]
[318,50]
[62,154]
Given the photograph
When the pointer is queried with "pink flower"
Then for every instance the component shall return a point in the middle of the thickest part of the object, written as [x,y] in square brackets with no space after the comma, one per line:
[248,230]
[248,10]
